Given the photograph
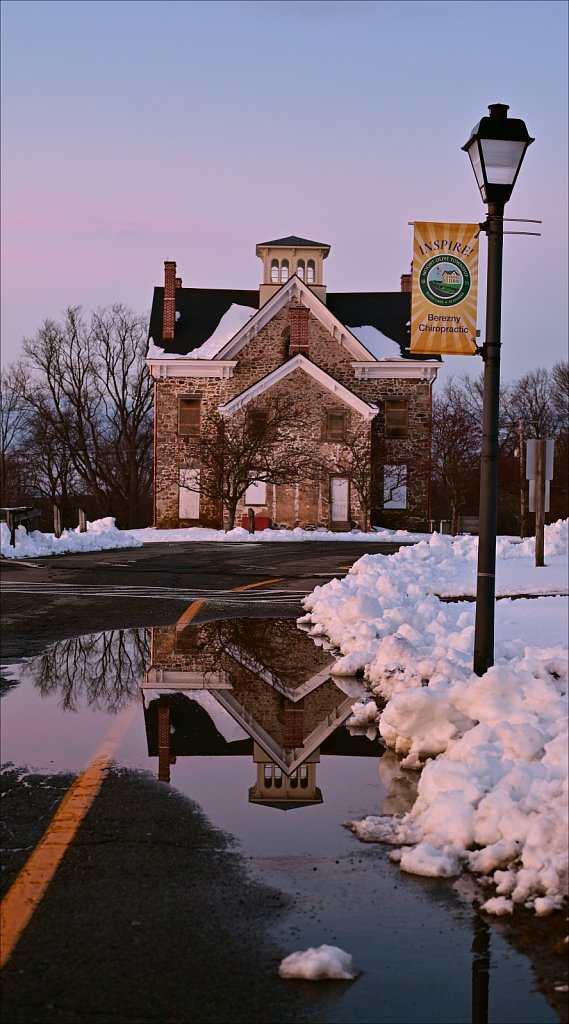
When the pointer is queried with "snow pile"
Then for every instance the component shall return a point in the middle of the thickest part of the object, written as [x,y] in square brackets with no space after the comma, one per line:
[231,322]
[100,536]
[319,963]
[492,796]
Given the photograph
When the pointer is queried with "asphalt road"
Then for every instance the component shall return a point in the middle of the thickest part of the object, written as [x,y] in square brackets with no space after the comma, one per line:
[47,599]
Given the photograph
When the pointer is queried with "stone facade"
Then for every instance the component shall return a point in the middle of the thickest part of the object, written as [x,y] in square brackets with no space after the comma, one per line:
[269,349]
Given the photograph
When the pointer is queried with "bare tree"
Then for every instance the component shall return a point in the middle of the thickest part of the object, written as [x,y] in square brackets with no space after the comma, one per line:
[456,449]
[531,400]
[260,444]
[13,423]
[89,385]
[355,461]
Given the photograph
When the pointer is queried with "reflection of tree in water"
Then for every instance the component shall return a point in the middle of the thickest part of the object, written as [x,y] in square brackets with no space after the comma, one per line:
[273,648]
[103,670]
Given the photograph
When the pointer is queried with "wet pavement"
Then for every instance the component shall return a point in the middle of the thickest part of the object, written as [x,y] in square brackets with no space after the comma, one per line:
[216,845]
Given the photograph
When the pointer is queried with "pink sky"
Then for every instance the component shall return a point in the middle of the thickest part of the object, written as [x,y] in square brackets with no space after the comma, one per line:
[138,132]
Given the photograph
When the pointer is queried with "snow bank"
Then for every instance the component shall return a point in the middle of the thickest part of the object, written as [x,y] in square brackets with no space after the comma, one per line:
[492,795]
[100,536]
[319,963]
[239,534]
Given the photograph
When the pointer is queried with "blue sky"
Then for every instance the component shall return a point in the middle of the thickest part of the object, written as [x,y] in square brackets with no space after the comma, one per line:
[135,132]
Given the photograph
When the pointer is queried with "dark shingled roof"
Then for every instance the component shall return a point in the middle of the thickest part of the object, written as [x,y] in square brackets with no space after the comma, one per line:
[294,240]
[201,309]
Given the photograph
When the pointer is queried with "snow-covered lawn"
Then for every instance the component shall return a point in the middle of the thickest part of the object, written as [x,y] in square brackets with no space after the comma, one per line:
[492,751]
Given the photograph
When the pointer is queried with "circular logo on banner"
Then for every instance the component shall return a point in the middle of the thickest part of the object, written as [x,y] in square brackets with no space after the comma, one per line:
[444,280]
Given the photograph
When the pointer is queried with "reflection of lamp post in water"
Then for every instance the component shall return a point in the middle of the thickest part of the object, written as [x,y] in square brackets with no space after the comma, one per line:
[480,970]
[496,149]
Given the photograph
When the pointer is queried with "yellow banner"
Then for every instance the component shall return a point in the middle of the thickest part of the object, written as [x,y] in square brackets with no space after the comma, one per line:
[445,288]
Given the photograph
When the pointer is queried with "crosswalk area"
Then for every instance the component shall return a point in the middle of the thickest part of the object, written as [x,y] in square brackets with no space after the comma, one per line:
[68,590]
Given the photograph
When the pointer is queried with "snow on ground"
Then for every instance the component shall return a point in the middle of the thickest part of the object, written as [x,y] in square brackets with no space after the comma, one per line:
[492,794]
[100,536]
[319,963]
[103,534]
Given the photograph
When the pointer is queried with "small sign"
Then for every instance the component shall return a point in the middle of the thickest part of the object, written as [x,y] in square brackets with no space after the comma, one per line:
[531,460]
[531,496]
[445,288]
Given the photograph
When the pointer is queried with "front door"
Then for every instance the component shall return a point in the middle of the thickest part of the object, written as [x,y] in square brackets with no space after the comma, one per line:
[339,492]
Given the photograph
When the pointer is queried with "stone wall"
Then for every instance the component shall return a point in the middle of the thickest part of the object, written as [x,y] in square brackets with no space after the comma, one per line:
[308,503]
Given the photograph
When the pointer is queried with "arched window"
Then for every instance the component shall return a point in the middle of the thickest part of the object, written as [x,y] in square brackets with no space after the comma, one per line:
[284,271]
[300,269]
[275,272]
[310,272]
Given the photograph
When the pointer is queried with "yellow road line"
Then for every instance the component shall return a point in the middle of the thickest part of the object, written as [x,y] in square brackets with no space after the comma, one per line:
[30,885]
[190,613]
[263,583]
[25,893]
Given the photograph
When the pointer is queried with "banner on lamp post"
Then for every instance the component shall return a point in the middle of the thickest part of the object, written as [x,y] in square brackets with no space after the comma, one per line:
[445,288]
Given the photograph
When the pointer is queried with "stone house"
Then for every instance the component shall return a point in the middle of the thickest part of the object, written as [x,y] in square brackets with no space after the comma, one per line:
[216,354]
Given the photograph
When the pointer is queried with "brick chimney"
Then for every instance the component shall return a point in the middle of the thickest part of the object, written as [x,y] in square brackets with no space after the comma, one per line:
[298,330]
[407,281]
[169,313]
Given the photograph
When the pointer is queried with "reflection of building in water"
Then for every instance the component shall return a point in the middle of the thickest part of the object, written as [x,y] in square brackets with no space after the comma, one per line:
[260,687]
[277,789]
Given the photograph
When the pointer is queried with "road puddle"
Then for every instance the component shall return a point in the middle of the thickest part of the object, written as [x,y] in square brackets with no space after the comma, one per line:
[243,716]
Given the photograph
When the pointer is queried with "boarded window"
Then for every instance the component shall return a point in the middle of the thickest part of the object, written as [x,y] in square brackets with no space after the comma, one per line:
[257,420]
[396,417]
[189,494]
[336,426]
[189,415]
[395,486]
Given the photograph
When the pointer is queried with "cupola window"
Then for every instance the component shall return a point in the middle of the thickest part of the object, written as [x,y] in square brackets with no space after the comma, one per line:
[300,269]
[310,272]
[275,272]
[284,271]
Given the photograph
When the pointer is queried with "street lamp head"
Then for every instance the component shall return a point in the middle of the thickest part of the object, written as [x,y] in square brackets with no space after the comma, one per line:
[496,148]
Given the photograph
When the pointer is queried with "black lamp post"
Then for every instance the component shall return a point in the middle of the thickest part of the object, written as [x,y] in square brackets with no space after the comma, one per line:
[496,149]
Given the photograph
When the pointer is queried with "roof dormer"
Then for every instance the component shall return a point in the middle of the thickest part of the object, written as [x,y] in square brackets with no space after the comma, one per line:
[284,257]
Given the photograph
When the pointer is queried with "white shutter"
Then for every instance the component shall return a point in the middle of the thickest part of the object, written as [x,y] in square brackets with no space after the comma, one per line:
[189,503]
[256,493]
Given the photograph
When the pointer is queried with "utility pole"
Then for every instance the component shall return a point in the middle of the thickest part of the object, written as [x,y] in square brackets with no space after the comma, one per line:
[523,496]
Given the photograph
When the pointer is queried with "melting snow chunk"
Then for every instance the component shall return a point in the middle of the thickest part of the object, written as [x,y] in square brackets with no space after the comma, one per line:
[319,963]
